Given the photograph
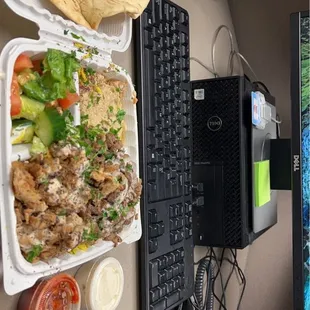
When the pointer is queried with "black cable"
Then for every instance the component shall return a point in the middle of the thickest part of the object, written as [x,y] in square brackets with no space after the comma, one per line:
[229,276]
[259,83]
[242,277]
[214,280]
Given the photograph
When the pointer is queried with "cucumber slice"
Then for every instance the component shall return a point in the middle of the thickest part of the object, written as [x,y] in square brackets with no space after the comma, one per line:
[22,131]
[30,108]
[50,126]
[37,147]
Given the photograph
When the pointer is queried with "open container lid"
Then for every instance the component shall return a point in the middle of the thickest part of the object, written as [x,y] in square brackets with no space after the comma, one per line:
[114,33]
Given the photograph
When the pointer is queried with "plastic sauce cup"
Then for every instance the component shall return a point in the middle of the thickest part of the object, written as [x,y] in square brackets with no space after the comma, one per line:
[101,283]
[60,292]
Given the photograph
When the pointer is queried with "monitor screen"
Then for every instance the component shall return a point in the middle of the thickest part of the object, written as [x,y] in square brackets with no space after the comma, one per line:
[300,93]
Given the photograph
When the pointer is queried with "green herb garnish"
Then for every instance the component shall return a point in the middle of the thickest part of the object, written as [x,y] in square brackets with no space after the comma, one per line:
[120,115]
[66,32]
[90,71]
[113,215]
[129,167]
[75,36]
[35,252]
[90,235]
[63,212]
[45,181]
[110,109]
[132,204]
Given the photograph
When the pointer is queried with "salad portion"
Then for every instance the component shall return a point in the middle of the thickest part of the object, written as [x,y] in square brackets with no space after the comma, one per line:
[41,89]
[79,186]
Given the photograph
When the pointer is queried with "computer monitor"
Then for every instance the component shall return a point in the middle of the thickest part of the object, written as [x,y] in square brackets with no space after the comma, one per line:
[300,96]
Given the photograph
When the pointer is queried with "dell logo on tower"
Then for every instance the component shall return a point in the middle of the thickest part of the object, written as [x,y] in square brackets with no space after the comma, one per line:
[214,123]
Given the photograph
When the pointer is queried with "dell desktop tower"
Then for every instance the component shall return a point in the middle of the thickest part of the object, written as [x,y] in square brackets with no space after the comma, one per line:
[222,162]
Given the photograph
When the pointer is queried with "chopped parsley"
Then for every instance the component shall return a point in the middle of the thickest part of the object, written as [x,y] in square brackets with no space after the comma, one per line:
[132,204]
[120,115]
[90,235]
[115,131]
[129,167]
[66,32]
[45,181]
[90,71]
[75,36]
[63,212]
[118,89]
[35,252]
[111,109]
[113,215]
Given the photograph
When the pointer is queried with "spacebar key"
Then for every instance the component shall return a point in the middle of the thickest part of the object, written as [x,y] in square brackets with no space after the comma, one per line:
[161,305]
[173,298]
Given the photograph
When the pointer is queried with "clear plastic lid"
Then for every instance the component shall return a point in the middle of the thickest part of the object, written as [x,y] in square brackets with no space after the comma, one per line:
[114,33]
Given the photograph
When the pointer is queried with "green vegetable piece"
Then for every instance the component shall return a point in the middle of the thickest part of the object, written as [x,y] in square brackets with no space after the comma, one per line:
[120,115]
[113,215]
[22,131]
[55,63]
[26,76]
[71,66]
[35,252]
[30,109]
[90,235]
[37,146]
[129,167]
[50,126]
[63,212]
[33,89]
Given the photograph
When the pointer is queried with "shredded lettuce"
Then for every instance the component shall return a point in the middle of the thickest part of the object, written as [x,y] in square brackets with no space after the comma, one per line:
[57,78]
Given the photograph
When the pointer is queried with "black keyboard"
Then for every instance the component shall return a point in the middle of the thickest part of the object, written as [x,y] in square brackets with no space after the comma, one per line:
[163,75]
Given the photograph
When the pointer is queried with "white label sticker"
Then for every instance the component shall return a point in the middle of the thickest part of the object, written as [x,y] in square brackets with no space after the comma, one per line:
[199,94]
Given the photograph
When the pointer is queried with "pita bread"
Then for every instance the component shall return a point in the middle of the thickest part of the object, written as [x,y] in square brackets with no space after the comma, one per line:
[89,13]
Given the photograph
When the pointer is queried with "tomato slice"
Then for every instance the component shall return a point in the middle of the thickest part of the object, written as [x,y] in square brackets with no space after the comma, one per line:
[37,65]
[16,104]
[67,102]
[22,62]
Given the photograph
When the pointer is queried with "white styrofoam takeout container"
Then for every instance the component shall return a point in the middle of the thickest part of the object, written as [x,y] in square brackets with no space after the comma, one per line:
[113,34]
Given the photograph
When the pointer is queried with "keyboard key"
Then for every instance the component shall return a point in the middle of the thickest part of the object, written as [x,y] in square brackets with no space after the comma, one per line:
[163,290]
[161,228]
[159,306]
[184,18]
[153,273]
[147,21]
[153,216]
[188,207]
[153,231]
[169,273]
[188,232]
[169,287]
[154,295]
[162,277]
[173,298]
[181,268]
[152,191]
[170,259]
[148,39]
[175,270]
[153,245]
[162,262]
[157,11]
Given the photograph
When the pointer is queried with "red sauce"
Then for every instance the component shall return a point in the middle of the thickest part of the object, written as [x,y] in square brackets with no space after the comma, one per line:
[58,293]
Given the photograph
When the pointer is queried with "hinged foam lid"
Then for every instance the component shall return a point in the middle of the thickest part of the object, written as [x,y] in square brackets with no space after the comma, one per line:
[114,33]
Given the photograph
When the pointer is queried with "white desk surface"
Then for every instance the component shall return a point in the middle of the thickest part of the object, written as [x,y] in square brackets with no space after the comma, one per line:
[205,17]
